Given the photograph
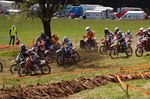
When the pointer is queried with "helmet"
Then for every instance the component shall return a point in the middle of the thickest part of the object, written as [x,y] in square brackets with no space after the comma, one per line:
[116,28]
[22,47]
[148,29]
[65,39]
[87,28]
[141,29]
[128,32]
[106,30]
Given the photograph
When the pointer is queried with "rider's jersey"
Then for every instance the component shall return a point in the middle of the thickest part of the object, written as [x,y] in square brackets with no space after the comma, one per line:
[90,34]
[68,43]
[128,37]
[41,44]
[140,34]
[24,53]
[118,35]
[109,35]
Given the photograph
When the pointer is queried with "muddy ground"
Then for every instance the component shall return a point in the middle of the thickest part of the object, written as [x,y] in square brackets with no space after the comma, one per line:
[63,88]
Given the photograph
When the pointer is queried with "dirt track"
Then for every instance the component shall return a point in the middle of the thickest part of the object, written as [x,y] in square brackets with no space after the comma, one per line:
[63,88]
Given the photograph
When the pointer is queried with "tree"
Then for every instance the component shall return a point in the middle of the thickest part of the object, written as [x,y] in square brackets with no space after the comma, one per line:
[45,11]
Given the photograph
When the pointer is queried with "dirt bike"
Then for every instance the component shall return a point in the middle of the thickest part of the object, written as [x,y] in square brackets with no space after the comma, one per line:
[14,67]
[63,53]
[141,46]
[1,67]
[119,48]
[89,45]
[105,47]
[28,66]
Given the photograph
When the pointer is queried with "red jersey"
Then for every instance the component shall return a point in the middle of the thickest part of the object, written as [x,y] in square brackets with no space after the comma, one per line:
[90,34]
[140,34]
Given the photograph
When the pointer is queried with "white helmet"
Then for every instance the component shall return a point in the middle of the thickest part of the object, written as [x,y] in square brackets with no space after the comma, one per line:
[22,47]
[87,28]
[128,32]
[141,29]
[65,39]
[148,29]
[106,29]
[117,28]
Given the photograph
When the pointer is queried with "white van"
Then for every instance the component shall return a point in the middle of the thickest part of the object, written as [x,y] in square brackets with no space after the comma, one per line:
[133,15]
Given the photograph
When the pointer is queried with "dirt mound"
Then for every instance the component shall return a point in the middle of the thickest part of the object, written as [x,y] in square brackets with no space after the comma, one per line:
[63,88]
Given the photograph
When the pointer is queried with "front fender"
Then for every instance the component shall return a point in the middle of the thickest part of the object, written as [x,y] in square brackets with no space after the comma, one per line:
[58,51]
[113,45]
[22,63]
[139,45]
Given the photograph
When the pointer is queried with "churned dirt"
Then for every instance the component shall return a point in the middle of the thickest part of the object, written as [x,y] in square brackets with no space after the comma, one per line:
[63,88]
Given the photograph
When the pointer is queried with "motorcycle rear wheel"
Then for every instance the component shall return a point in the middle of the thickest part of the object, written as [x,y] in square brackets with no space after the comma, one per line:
[1,67]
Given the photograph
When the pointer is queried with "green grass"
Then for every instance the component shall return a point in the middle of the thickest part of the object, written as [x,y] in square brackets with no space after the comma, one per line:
[114,91]
[29,28]
[74,29]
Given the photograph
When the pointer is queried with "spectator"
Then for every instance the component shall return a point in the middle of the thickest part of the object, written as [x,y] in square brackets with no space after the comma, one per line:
[12,33]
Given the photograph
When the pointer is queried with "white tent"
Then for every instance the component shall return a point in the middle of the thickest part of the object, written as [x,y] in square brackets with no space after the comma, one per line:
[99,13]
[108,11]
[89,7]
[130,15]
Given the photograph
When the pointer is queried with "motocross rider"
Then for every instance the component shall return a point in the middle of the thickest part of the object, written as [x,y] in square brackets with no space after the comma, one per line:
[90,35]
[69,47]
[119,37]
[23,52]
[140,34]
[35,58]
[128,36]
[108,35]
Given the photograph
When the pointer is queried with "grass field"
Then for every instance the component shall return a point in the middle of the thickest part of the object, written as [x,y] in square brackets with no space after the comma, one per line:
[29,29]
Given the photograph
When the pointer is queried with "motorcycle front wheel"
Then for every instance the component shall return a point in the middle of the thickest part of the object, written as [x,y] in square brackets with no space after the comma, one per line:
[103,50]
[23,71]
[60,59]
[139,52]
[114,53]
[45,69]
[76,57]
[95,47]
[129,51]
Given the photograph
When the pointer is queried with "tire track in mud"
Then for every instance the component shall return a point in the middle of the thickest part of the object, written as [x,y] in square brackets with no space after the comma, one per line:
[63,88]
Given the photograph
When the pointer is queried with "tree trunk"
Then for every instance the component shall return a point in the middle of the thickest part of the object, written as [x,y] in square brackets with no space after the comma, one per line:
[47,26]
